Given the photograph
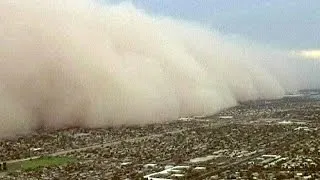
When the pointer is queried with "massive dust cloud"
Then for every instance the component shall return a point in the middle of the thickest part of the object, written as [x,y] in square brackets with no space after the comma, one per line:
[83,63]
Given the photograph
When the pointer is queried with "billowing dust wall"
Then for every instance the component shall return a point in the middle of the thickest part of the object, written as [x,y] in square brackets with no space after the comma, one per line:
[81,63]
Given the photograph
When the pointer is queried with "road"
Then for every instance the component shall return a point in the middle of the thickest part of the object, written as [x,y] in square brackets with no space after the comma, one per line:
[63,152]
[152,136]
[59,153]
[234,163]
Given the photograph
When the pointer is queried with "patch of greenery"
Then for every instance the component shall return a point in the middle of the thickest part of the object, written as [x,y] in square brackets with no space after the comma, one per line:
[35,164]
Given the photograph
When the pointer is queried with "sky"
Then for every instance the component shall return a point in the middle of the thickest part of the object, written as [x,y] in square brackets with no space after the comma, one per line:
[287,24]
